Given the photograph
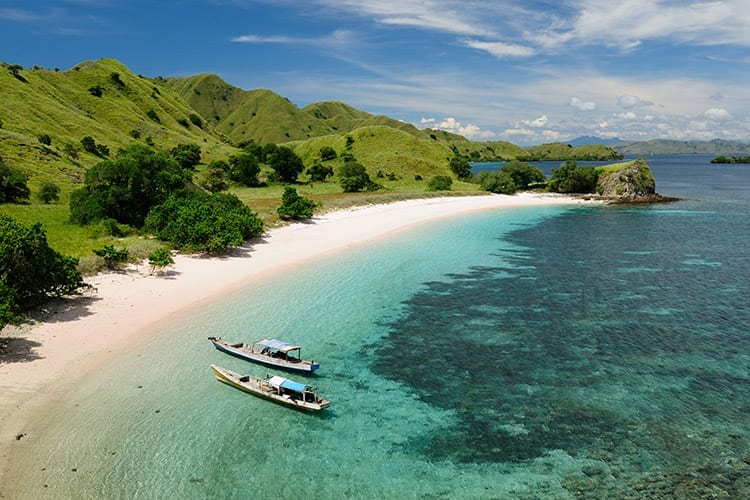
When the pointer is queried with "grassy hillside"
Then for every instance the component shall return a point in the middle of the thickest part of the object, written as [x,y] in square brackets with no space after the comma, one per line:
[560,151]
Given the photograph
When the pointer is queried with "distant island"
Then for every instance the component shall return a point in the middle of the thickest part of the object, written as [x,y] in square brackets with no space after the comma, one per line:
[731,159]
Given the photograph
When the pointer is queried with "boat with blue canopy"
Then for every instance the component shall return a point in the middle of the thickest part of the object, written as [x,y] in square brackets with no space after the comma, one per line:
[275,388]
[271,352]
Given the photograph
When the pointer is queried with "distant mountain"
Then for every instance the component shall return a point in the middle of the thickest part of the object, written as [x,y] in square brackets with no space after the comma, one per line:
[664,146]
[587,140]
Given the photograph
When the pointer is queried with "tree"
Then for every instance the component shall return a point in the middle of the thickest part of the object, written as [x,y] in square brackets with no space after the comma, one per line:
[89,144]
[187,156]
[195,221]
[440,183]
[294,206]
[497,182]
[13,188]
[319,172]
[30,271]
[286,164]
[244,169]
[570,178]
[327,153]
[460,166]
[353,177]
[214,178]
[523,174]
[45,139]
[49,192]
[160,258]
[125,189]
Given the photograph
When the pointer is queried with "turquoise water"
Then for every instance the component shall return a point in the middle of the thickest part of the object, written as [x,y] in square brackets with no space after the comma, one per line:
[528,353]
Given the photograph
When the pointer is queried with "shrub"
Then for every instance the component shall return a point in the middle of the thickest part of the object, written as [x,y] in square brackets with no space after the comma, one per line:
[49,192]
[152,114]
[45,139]
[440,183]
[327,153]
[523,174]
[244,169]
[31,271]
[570,178]
[319,172]
[294,206]
[159,258]
[113,257]
[96,91]
[497,182]
[199,222]
[13,187]
[196,120]
[460,166]
[353,177]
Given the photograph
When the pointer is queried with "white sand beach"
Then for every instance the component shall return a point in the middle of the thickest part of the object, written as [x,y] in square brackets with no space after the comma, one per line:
[83,332]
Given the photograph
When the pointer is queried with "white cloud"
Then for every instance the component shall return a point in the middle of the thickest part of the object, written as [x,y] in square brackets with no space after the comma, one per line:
[717,114]
[582,105]
[427,121]
[500,49]
[469,131]
[627,115]
[631,101]
[337,38]
[539,122]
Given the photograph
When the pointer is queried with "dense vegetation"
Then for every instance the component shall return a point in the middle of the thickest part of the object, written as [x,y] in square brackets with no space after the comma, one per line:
[30,271]
[731,159]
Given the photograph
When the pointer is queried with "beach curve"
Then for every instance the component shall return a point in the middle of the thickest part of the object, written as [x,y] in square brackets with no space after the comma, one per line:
[79,334]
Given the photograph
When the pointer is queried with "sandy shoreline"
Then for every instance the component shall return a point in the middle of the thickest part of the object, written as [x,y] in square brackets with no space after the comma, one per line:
[78,335]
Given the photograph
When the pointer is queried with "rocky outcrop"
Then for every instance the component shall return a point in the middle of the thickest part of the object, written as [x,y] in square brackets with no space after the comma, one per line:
[630,182]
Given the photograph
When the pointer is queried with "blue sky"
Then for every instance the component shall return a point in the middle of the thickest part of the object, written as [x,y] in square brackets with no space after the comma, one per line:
[523,71]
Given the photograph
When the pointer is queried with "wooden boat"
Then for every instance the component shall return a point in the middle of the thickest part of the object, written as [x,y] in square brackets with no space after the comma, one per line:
[275,388]
[270,352]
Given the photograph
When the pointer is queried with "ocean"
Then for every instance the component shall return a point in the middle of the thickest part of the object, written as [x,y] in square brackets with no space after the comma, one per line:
[549,352]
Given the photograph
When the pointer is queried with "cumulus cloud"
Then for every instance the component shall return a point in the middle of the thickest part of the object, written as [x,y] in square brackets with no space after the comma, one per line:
[454,126]
[539,122]
[580,104]
[627,115]
[631,101]
[717,114]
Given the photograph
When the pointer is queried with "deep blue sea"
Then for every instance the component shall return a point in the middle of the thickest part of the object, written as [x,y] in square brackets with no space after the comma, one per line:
[555,352]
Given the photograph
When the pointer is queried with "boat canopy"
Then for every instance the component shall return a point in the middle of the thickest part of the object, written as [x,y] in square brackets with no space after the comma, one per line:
[278,345]
[285,383]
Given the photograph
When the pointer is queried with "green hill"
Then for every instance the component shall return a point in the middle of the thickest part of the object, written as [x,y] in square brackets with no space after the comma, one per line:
[99,99]
[383,149]
[559,151]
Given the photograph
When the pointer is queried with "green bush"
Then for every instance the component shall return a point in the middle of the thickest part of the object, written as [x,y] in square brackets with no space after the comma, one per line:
[49,192]
[353,177]
[30,271]
[13,187]
[440,183]
[294,206]
[125,189]
[523,174]
[198,222]
[244,169]
[113,257]
[497,182]
[570,178]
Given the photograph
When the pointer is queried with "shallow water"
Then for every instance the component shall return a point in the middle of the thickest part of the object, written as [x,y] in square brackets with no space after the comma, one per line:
[545,352]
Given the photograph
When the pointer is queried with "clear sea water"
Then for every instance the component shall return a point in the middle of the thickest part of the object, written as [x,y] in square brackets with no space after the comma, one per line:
[597,352]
